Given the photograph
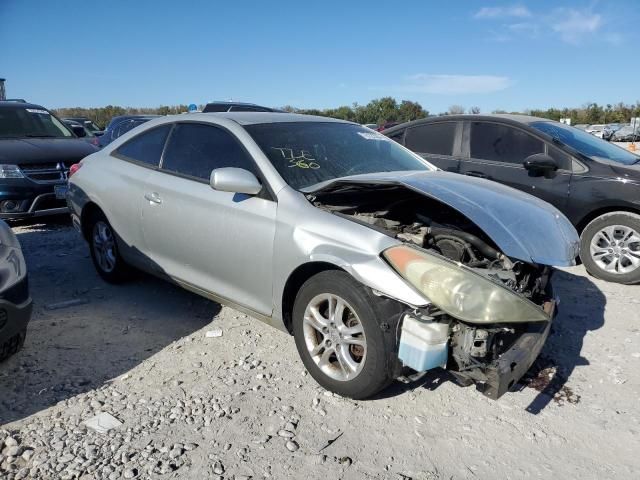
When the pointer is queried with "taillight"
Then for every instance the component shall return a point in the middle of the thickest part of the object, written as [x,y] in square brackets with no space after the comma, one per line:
[74,168]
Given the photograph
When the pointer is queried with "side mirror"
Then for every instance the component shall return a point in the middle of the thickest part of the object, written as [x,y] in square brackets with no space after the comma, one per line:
[79,130]
[235,180]
[540,163]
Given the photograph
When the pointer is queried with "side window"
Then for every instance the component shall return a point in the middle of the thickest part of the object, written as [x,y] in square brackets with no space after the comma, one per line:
[146,147]
[502,143]
[563,160]
[195,149]
[434,138]
[397,136]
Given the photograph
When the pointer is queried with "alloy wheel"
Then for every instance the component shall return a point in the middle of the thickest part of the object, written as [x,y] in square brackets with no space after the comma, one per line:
[104,246]
[334,337]
[616,249]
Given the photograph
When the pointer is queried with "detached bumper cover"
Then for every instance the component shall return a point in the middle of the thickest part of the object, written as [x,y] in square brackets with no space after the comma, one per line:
[505,372]
[13,326]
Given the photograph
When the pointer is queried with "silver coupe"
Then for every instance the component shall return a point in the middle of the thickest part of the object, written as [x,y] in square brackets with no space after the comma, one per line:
[376,262]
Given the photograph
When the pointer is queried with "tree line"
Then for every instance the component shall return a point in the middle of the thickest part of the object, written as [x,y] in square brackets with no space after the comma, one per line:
[383,110]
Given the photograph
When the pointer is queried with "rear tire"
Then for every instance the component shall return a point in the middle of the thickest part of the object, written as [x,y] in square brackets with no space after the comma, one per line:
[345,335]
[104,250]
[610,247]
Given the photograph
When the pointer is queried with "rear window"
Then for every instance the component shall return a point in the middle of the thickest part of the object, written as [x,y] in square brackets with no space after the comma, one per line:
[147,147]
[433,138]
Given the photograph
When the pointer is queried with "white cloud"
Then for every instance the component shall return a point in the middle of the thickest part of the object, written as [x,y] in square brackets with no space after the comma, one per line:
[575,24]
[518,11]
[454,84]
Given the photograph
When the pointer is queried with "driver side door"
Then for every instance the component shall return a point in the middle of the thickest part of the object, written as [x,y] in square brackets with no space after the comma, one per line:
[496,151]
[214,242]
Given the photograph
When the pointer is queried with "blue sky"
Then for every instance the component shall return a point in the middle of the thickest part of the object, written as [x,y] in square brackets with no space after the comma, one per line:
[492,54]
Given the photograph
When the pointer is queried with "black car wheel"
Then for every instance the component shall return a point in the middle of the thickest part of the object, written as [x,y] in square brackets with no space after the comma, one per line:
[610,247]
[104,250]
[338,329]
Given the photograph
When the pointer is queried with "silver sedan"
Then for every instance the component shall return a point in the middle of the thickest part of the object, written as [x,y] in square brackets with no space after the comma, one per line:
[377,263]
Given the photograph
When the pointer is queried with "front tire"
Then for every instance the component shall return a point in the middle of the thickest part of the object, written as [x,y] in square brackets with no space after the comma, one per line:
[610,247]
[345,334]
[104,251]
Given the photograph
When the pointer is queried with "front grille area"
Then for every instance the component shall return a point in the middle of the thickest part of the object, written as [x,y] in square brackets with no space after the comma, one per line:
[50,172]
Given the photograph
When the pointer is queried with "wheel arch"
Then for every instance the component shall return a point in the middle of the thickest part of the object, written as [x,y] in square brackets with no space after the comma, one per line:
[591,216]
[89,210]
[294,282]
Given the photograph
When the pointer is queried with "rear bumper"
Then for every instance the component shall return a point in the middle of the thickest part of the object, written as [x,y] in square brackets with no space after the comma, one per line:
[505,372]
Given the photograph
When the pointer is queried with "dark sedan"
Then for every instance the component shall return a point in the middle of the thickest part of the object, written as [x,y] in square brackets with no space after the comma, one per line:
[120,125]
[594,183]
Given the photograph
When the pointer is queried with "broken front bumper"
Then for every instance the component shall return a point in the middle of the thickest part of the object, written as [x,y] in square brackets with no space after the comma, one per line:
[505,372]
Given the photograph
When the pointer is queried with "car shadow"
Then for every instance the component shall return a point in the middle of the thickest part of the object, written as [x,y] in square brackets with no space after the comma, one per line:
[580,312]
[83,331]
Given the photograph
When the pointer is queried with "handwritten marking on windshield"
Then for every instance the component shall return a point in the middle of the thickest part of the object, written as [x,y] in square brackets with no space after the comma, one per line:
[303,160]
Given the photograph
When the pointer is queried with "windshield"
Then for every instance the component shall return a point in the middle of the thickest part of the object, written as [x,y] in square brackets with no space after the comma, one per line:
[19,122]
[586,143]
[306,153]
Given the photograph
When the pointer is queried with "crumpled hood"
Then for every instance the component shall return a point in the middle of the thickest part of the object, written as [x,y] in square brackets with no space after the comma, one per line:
[521,225]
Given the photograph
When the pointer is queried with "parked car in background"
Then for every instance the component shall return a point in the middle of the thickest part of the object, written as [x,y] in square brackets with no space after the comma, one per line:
[594,183]
[36,151]
[386,126]
[119,126]
[79,129]
[235,107]
[15,301]
[371,258]
[88,124]
[625,134]
[595,130]
[609,130]
[581,126]
[372,126]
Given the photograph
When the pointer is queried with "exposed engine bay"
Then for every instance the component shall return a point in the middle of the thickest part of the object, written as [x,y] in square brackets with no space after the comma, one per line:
[422,221]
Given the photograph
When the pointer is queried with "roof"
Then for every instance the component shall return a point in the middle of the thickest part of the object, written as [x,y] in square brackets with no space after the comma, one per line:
[6,104]
[508,117]
[251,118]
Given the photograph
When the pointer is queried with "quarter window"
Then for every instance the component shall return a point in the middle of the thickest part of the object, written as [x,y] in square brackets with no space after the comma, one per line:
[502,143]
[147,147]
[195,150]
[433,138]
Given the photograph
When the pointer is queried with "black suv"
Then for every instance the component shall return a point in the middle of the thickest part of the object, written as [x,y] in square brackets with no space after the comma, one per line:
[36,151]
[594,183]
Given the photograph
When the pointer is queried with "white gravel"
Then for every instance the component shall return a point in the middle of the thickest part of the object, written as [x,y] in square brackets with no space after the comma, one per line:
[196,406]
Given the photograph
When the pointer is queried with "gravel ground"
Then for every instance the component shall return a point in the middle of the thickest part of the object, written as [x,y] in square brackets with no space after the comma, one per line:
[238,406]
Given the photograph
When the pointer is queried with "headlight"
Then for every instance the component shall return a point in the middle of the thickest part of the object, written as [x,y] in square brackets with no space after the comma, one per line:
[10,171]
[459,291]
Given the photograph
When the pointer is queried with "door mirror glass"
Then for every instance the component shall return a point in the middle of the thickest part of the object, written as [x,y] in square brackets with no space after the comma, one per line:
[540,163]
[235,180]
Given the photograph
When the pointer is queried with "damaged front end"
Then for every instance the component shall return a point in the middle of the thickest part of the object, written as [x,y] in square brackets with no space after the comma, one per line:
[488,315]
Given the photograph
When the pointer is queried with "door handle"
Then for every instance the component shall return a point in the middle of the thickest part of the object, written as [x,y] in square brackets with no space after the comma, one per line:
[476,174]
[153,197]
